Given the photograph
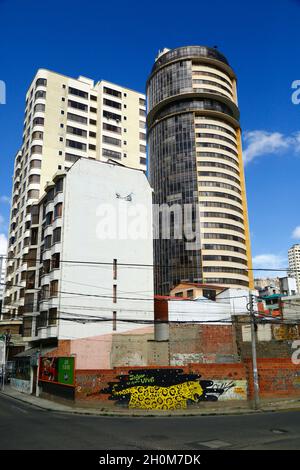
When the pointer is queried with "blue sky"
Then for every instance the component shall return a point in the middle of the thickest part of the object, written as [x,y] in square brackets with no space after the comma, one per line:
[118,41]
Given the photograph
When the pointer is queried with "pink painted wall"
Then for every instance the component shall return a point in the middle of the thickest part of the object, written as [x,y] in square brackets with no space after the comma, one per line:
[94,352]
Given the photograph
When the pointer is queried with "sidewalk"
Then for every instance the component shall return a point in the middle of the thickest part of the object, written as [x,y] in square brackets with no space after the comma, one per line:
[53,406]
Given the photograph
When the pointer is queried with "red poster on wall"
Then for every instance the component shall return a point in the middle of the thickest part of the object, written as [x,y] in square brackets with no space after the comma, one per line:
[49,369]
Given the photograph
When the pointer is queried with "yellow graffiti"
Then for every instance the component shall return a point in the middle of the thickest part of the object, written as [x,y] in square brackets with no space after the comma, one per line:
[153,397]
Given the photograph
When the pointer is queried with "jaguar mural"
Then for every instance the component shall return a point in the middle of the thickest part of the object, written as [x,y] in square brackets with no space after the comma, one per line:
[163,389]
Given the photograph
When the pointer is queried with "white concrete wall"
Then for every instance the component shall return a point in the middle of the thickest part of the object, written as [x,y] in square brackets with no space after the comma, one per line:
[199,310]
[238,300]
[291,307]
[90,185]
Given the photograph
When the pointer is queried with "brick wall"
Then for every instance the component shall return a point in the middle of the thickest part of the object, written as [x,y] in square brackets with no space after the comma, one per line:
[278,378]
[273,341]
[202,344]
[89,383]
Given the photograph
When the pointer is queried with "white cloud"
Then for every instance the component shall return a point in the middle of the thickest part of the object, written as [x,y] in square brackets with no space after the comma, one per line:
[3,244]
[296,233]
[5,199]
[270,261]
[260,143]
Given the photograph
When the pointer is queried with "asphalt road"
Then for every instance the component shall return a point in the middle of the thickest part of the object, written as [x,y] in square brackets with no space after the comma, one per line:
[23,426]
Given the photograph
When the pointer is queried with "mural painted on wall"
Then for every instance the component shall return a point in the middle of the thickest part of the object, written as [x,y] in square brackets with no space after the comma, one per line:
[57,370]
[23,386]
[164,389]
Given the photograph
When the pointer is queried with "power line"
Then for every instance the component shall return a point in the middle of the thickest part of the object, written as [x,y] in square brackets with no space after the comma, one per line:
[138,265]
[122,298]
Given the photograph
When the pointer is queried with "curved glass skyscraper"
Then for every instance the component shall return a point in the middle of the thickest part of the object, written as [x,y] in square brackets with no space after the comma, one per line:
[195,162]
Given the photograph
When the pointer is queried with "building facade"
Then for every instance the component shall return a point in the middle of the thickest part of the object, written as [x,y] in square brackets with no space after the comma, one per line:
[294,264]
[65,119]
[195,159]
[2,281]
[88,284]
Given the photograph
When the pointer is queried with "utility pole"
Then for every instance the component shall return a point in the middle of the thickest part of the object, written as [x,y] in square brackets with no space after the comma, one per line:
[254,356]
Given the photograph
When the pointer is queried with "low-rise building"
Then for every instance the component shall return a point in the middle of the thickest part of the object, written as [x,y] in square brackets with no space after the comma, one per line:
[194,290]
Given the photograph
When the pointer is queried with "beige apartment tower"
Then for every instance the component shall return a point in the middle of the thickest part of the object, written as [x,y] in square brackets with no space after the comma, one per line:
[65,119]
[294,264]
[195,158]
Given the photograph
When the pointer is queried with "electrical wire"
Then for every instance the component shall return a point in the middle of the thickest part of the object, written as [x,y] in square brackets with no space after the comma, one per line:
[140,265]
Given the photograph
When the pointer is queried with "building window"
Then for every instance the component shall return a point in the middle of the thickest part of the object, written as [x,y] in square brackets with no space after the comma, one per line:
[76,131]
[111,154]
[92,147]
[38,121]
[115,269]
[111,128]
[69,157]
[142,102]
[209,294]
[39,108]
[41,82]
[75,144]
[33,194]
[34,179]
[143,160]
[58,210]
[93,122]
[52,320]
[112,104]
[53,288]
[114,321]
[27,326]
[143,148]
[110,91]
[59,185]
[37,135]
[47,242]
[111,141]
[36,149]
[76,105]
[76,118]
[42,319]
[190,293]
[55,261]
[92,134]
[110,115]
[75,91]
[57,235]
[93,110]
[114,294]
[93,98]
[46,267]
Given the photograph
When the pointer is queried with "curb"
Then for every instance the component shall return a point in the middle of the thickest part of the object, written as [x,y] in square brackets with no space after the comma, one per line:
[148,415]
